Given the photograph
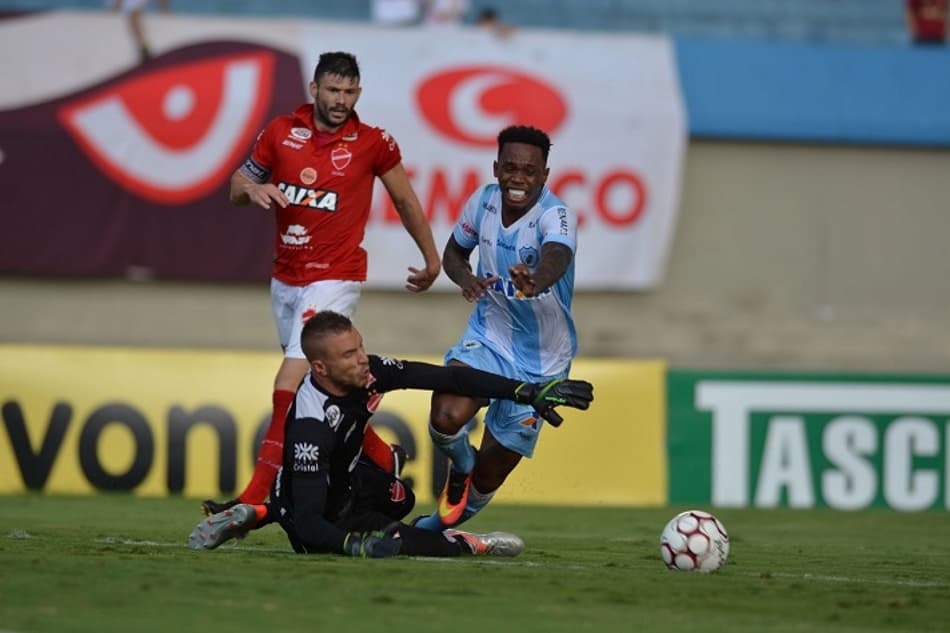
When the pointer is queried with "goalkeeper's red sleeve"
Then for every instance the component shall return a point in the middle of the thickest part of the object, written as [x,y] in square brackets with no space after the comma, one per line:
[378,450]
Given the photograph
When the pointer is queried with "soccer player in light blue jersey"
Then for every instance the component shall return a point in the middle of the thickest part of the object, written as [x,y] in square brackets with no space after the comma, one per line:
[521,327]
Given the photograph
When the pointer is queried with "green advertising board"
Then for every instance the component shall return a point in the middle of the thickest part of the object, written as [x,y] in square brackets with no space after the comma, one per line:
[807,440]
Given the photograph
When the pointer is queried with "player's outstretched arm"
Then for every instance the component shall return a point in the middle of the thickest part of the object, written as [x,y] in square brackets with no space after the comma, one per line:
[455,261]
[475,383]
[413,218]
[544,397]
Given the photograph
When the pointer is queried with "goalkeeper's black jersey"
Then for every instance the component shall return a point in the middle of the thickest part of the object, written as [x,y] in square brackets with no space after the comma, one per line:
[323,440]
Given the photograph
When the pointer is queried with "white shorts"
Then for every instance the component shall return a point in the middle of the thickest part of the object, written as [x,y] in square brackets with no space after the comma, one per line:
[293,305]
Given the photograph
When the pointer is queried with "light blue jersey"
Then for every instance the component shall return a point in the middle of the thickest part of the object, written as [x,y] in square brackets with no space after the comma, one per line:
[524,338]
[535,335]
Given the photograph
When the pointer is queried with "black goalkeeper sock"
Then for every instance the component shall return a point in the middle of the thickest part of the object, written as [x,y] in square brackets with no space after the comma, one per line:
[419,542]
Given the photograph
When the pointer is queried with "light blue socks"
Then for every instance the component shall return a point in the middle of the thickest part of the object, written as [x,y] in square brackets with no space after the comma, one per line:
[455,447]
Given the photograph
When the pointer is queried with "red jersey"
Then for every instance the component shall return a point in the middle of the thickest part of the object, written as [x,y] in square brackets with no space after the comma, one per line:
[328,179]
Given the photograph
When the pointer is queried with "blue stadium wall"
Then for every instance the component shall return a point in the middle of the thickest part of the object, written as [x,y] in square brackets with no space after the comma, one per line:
[813,92]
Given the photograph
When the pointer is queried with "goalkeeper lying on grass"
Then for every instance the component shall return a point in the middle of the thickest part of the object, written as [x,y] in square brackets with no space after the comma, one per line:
[329,500]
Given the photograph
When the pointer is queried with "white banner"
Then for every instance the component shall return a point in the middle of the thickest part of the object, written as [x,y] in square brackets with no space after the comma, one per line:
[611,104]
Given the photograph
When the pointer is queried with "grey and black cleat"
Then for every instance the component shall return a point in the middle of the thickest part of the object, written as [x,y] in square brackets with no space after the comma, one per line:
[219,528]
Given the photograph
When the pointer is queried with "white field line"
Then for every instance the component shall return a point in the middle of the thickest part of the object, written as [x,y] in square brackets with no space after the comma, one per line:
[888,582]
[236,544]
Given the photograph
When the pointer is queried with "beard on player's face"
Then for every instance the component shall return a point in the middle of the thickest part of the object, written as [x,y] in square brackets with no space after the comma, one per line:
[332,116]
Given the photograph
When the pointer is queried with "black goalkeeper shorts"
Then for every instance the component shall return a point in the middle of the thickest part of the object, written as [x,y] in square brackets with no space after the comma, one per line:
[378,500]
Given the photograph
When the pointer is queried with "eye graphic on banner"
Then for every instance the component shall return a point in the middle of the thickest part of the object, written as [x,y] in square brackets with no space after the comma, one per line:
[173,135]
[472,104]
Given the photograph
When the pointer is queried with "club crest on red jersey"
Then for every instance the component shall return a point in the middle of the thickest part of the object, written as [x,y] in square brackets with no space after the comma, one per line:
[340,157]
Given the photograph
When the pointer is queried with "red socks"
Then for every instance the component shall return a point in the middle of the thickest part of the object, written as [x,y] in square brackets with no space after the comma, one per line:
[260,511]
[272,451]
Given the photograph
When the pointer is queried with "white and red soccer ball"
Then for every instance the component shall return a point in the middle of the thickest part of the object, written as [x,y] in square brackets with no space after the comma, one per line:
[694,541]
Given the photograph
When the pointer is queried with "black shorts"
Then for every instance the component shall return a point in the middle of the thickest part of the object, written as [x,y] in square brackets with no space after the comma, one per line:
[375,500]
[378,500]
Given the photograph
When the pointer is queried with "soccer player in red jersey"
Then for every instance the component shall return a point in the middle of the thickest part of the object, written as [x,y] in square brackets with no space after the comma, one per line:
[315,167]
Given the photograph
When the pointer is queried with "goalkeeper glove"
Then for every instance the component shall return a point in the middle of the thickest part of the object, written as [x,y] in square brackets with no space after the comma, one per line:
[544,397]
[379,544]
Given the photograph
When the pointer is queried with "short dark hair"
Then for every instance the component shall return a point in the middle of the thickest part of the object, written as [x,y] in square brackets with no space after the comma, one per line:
[525,134]
[337,63]
[318,327]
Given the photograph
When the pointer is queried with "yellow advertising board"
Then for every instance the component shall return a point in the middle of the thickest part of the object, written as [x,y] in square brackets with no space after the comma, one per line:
[174,421]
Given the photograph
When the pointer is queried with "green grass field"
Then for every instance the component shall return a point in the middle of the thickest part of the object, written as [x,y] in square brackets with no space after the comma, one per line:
[118,563]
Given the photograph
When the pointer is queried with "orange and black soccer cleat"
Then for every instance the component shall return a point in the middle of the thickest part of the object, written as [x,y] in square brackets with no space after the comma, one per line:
[454,497]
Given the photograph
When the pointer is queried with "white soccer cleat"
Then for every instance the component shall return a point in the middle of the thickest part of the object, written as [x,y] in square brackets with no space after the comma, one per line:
[491,544]
[222,527]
